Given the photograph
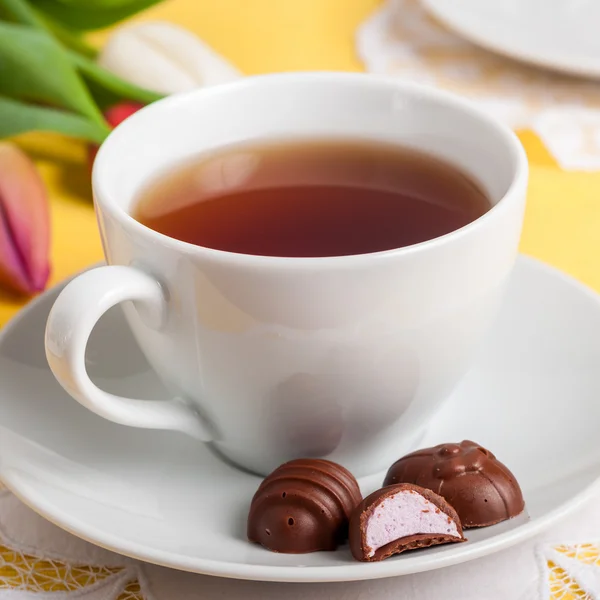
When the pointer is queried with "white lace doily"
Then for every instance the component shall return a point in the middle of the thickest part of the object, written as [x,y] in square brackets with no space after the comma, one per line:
[38,561]
[401,39]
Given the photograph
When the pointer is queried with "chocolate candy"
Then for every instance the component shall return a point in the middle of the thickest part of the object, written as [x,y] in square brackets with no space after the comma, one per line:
[480,488]
[399,518]
[303,506]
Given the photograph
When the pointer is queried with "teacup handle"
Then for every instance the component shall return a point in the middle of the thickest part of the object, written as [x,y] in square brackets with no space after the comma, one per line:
[70,323]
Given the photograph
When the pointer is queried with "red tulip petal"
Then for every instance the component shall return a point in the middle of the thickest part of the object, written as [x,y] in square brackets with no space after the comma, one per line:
[119,112]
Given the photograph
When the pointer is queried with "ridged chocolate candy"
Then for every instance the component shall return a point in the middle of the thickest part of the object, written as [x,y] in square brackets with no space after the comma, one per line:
[401,517]
[480,488]
[303,506]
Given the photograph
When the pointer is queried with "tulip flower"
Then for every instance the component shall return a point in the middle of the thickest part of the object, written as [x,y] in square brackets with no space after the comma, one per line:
[24,223]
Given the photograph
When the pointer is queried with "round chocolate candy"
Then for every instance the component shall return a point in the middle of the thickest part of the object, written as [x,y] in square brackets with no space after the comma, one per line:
[303,506]
[480,488]
[401,517]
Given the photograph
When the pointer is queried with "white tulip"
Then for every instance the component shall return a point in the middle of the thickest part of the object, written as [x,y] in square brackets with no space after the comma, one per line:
[165,58]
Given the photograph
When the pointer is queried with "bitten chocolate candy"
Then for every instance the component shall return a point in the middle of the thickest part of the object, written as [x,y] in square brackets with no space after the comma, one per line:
[399,518]
[303,506]
[480,488]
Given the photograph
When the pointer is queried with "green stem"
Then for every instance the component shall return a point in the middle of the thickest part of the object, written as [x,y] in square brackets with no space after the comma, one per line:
[115,84]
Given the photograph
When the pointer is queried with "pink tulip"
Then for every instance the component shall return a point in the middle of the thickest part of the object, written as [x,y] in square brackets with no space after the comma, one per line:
[24,223]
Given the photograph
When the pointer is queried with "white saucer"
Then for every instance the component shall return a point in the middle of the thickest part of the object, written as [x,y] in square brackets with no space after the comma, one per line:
[532,398]
[555,34]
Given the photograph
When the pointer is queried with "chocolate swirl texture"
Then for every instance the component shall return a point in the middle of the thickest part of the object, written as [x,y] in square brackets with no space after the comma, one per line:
[481,489]
[303,506]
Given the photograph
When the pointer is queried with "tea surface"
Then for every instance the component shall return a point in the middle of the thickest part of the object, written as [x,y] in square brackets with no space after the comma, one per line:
[310,199]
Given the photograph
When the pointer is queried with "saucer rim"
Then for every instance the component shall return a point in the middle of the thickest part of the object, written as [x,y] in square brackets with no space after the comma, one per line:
[17,483]
[586,67]
[354,571]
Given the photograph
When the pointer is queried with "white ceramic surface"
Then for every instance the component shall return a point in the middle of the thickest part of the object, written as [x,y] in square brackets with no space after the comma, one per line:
[556,34]
[531,397]
[275,358]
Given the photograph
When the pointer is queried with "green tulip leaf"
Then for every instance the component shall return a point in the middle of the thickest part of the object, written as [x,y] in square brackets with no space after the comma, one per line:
[96,4]
[102,78]
[18,117]
[72,40]
[21,12]
[48,78]
[34,67]
[86,16]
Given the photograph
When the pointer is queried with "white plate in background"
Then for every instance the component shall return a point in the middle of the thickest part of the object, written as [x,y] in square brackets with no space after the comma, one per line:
[562,35]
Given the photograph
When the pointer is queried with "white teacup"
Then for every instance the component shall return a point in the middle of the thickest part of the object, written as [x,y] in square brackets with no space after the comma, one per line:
[270,359]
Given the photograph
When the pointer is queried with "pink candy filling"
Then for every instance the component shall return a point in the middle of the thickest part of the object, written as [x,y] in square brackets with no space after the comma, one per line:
[403,514]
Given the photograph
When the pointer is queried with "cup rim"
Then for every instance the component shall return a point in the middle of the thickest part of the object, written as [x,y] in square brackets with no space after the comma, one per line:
[517,185]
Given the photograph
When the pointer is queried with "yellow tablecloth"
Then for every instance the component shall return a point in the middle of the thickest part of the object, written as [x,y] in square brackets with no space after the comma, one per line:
[563,213]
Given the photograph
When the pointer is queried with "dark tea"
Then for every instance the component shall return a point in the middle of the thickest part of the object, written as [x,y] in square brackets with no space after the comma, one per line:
[310,199]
